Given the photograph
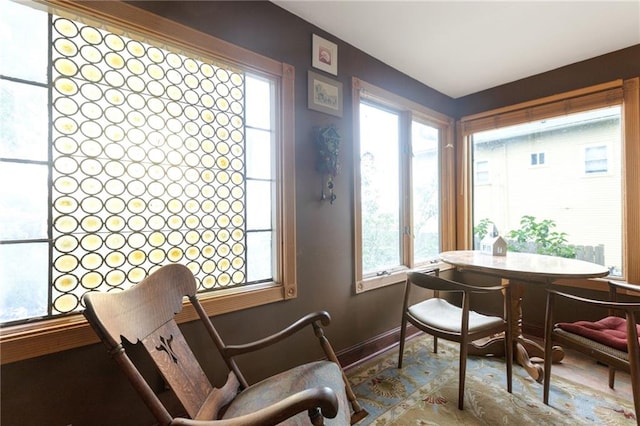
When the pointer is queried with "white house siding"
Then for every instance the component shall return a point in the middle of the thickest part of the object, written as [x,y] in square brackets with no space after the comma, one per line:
[586,207]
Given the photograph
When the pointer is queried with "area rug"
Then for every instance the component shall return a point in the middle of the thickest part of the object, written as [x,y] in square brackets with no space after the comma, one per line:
[425,392]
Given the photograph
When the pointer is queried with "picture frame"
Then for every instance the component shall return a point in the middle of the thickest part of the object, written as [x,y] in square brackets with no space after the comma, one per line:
[324,94]
[324,55]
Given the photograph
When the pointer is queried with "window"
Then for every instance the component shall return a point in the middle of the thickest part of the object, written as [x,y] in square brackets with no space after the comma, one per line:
[595,159]
[559,212]
[148,154]
[481,172]
[537,159]
[400,191]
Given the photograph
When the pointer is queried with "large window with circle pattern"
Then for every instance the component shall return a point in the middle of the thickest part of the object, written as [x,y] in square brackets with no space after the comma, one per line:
[119,155]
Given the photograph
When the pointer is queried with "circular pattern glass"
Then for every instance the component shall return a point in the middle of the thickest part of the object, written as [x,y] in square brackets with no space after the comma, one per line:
[115,259]
[136,240]
[136,275]
[91,205]
[90,54]
[66,243]
[208,266]
[66,27]
[91,280]
[146,131]
[91,223]
[91,242]
[66,204]
[65,145]
[115,241]
[174,254]
[66,303]
[114,187]
[114,42]
[66,263]
[157,256]
[157,239]
[65,224]
[115,278]
[66,86]
[66,283]
[137,257]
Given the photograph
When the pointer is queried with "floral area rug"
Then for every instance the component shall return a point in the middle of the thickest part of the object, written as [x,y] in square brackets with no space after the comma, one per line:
[425,392]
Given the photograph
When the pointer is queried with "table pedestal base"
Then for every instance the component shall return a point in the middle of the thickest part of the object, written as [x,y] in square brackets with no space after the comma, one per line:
[527,353]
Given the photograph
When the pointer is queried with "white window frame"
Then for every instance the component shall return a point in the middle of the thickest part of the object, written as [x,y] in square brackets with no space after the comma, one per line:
[537,157]
[484,172]
[49,336]
[607,158]
[363,91]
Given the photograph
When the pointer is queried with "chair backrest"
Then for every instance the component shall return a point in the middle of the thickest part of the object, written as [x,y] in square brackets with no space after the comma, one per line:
[145,313]
[433,281]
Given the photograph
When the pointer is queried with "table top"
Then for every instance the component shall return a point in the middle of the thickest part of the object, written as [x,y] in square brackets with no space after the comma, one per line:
[524,266]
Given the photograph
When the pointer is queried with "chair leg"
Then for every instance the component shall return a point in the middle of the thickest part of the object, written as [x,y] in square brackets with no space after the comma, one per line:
[462,373]
[509,357]
[359,413]
[612,377]
[548,342]
[403,333]
[315,417]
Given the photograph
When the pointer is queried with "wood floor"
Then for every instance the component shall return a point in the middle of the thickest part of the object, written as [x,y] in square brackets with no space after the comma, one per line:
[581,369]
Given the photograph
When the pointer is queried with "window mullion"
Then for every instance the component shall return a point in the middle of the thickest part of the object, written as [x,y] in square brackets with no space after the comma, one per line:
[406,189]
[50,163]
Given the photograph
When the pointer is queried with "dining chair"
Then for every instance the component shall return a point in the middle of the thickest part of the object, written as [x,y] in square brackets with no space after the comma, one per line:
[612,340]
[442,319]
[145,314]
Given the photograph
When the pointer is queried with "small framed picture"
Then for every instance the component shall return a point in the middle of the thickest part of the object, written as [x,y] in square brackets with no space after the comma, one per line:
[325,94]
[325,55]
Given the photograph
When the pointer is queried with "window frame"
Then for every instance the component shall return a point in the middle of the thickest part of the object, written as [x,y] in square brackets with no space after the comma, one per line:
[618,92]
[538,156]
[41,337]
[363,91]
[484,172]
[586,172]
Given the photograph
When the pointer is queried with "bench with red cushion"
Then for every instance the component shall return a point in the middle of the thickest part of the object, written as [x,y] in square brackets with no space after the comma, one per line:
[610,331]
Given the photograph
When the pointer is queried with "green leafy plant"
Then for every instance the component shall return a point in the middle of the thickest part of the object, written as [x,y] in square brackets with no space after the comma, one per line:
[542,236]
[481,229]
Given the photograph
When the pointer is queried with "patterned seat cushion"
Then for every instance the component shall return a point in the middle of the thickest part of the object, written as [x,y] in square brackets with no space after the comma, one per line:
[275,388]
[610,331]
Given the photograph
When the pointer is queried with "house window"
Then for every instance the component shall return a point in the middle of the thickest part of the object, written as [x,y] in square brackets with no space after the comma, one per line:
[537,159]
[127,153]
[596,159]
[399,185]
[481,172]
[559,213]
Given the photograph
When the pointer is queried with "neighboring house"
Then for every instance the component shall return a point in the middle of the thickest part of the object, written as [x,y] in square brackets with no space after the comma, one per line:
[555,170]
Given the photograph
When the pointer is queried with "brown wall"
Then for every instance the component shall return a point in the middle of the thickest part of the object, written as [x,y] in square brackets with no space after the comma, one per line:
[621,64]
[84,387]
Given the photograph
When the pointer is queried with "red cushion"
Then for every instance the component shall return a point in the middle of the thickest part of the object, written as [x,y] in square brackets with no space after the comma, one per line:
[610,331]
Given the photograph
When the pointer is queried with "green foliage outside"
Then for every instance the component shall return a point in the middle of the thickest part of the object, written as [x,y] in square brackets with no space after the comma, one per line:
[481,229]
[533,235]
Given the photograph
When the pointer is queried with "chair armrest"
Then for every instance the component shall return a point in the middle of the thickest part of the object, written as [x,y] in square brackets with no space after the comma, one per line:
[321,397]
[595,302]
[309,319]
[480,289]
[626,286]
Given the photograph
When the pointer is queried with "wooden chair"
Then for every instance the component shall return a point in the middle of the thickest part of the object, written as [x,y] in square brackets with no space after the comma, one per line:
[442,319]
[145,314]
[599,340]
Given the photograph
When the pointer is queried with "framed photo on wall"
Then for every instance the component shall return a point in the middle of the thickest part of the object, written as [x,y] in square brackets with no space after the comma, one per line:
[324,54]
[325,94]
